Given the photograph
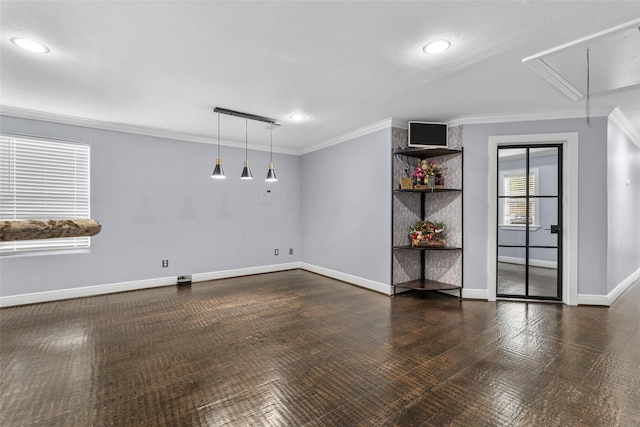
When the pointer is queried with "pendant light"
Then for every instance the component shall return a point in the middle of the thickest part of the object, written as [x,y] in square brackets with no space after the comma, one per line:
[271,175]
[246,172]
[218,173]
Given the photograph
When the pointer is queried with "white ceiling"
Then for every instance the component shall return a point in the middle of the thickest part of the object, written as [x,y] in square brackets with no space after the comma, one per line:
[162,66]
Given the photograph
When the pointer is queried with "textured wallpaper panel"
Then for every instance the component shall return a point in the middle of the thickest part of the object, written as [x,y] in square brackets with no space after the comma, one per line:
[406,211]
[443,266]
[406,265]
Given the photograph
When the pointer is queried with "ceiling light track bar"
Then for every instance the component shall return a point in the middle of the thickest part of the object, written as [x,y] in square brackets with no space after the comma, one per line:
[244,115]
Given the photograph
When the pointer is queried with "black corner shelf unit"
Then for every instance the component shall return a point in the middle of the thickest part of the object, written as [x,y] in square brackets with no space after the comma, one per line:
[417,268]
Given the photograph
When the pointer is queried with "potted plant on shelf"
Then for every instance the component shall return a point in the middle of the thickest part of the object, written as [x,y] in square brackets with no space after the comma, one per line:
[427,233]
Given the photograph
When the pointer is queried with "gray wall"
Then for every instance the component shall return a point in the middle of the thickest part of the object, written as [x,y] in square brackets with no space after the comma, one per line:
[333,206]
[346,207]
[592,195]
[156,200]
[623,206]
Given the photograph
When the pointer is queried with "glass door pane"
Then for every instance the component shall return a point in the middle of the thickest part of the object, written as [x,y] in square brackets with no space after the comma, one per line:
[545,216]
[512,276]
[529,228]
[543,165]
[543,272]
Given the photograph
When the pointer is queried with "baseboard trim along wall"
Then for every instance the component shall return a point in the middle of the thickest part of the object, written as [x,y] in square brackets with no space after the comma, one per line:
[62,294]
[610,298]
[475,294]
[88,291]
[354,280]
[225,274]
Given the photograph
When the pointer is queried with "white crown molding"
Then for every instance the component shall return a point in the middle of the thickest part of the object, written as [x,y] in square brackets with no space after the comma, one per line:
[136,130]
[382,124]
[618,117]
[400,124]
[527,117]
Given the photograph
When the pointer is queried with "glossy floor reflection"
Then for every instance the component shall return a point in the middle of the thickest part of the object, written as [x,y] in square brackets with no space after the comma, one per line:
[543,282]
[298,349]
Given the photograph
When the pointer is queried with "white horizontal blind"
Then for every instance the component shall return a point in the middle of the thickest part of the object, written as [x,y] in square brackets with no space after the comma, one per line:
[515,210]
[43,179]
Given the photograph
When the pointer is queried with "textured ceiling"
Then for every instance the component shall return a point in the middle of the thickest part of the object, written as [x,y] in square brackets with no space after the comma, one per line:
[163,66]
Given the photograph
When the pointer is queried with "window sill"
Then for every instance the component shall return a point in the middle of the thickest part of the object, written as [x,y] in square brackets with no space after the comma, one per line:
[518,227]
[19,254]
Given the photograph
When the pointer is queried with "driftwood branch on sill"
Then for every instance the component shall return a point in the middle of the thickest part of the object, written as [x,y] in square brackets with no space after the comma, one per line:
[28,229]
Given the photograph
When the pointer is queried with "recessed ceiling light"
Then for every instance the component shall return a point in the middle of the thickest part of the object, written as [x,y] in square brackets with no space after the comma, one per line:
[297,117]
[30,45]
[437,46]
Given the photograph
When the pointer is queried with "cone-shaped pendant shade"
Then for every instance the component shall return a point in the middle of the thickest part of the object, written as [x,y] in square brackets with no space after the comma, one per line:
[218,173]
[246,172]
[271,175]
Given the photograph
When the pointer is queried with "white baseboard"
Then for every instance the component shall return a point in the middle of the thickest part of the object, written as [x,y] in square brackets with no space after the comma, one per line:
[586,299]
[482,294]
[62,294]
[354,280]
[532,262]
[225,274]
[475,294]
[623,286]
[610,298]
[87,291]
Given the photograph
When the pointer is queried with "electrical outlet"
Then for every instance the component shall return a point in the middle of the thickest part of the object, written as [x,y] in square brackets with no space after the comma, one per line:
[290,251]
[165,263]
[276,252]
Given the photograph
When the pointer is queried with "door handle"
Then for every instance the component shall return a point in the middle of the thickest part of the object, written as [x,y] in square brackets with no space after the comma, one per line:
[555,229]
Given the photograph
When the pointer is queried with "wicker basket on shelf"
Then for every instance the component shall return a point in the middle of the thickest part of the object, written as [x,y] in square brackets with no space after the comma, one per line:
[427,234]
[427,243]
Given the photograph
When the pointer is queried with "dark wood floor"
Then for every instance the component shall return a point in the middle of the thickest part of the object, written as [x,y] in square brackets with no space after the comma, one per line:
[298,349]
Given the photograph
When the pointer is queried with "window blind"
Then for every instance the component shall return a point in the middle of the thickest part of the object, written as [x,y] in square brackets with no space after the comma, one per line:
[515,211]
[43,179]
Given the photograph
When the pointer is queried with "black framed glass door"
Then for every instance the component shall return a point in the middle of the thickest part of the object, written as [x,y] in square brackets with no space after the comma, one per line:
[529,222]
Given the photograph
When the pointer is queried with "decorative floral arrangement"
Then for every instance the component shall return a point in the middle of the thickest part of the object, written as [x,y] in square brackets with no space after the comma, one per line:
[427,233]
[427,169]
[431,168]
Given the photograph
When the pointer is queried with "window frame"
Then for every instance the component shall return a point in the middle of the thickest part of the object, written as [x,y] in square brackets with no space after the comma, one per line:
[19,178]
[534,200]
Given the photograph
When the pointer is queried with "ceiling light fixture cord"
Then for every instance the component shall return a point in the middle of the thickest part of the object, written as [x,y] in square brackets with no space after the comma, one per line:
[218,134]
[588,103]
